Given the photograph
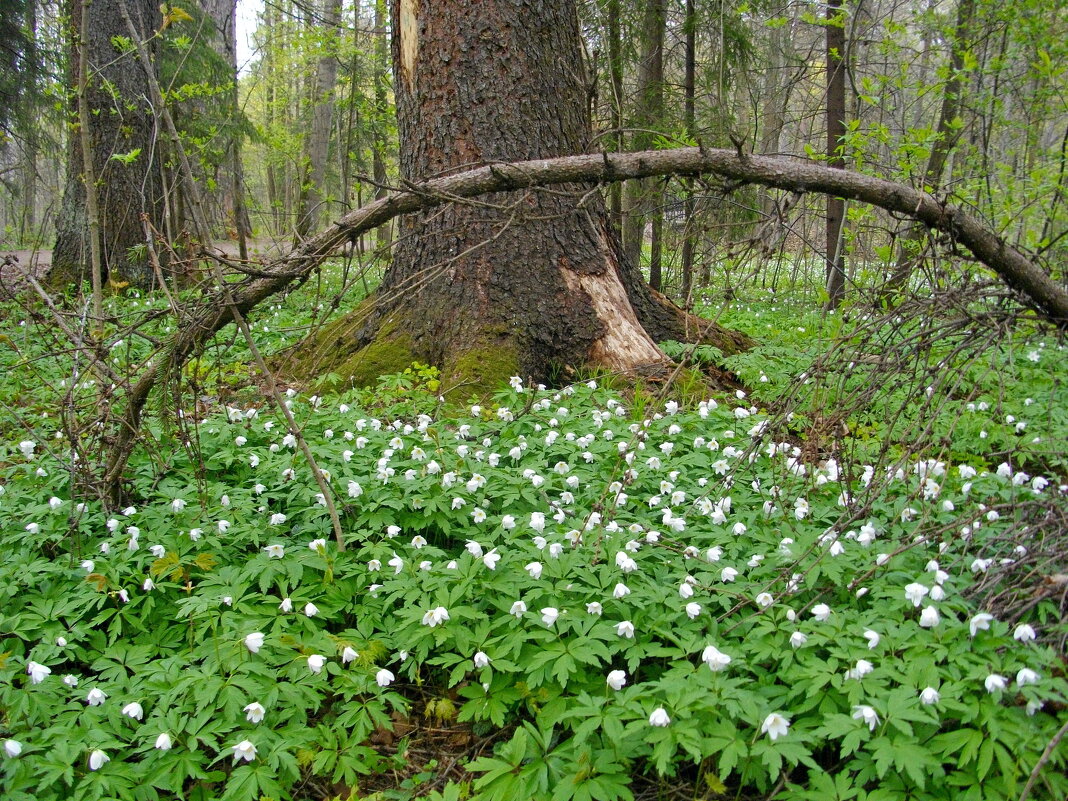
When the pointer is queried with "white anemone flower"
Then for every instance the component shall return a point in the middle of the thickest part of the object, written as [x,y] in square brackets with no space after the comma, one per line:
[384,677]
[930,696]
[134,710]
[995,683]
[435,616]
[980,622]
[244,750]
[866,714]
[255,712]
[775,726]
[659,718]
[821,612]
[714,658]
[97,759]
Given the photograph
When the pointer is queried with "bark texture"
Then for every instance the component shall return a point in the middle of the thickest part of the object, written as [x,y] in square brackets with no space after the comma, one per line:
[533,285]
[122,124]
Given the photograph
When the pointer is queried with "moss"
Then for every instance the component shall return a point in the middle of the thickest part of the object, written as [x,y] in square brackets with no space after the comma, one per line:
[329,358]
[480,370]
[328,347]
[384,356]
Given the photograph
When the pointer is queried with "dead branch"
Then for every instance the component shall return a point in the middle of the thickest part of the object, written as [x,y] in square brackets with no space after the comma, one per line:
[1034,285]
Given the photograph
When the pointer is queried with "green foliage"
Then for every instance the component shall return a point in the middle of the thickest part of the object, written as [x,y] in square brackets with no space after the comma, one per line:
[619,589]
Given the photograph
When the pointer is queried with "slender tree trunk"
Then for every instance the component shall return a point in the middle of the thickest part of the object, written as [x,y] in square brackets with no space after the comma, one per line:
[31,139]
[776,93]
[118,148]
[644,202]
[689,120]
[223,14]
[380,76]
[615,71]
[947,132]
[836,81]
[317,144]
[242,223]
[92,196]
[274,182]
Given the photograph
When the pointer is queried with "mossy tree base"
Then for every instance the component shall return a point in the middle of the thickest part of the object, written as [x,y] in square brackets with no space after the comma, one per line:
[353,352]
[531,284]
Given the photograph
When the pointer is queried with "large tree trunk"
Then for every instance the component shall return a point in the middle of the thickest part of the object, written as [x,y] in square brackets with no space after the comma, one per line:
[128,186]
[535,285]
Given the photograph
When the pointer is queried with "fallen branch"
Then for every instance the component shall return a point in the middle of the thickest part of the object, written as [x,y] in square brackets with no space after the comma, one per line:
[1038,289]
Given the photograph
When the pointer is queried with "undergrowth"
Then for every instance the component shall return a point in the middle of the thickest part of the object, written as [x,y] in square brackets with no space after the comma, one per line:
[593,594]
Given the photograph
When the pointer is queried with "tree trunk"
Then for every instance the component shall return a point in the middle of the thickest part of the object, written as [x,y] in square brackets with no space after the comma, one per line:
[836,42]
[615,72]
[776,96]
[690,121]
[223,14]
[380,76]
[317,143]
[644,202]
[535,285]
[124,127]
[946,134]
[31,139]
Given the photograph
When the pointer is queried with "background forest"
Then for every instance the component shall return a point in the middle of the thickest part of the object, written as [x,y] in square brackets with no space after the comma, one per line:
[313,486]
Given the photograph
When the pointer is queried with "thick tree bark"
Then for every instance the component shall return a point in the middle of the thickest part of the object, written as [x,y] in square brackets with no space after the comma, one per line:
[530,287]
[124,126]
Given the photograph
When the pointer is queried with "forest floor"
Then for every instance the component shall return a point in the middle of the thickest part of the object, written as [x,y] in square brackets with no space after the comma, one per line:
[16,261]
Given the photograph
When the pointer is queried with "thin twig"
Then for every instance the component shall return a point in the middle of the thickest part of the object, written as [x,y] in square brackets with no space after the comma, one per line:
[1042,760]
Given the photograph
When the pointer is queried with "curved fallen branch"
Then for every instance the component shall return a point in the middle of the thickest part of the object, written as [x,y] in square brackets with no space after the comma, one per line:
[1034,284]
